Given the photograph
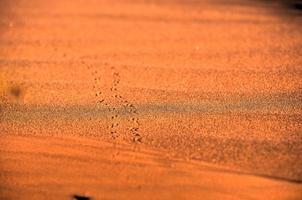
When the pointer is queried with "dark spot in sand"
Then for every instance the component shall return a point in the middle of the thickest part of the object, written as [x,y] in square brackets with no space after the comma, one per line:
[15,91]
[292,4]
[297,5]
[80,197]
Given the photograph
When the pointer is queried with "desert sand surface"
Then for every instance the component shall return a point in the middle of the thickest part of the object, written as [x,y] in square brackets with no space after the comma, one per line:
[133,99]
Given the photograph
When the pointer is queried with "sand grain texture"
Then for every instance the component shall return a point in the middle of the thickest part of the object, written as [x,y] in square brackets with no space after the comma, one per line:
[150,99]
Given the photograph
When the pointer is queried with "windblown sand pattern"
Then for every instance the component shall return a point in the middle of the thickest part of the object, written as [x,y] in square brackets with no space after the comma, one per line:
[150,99]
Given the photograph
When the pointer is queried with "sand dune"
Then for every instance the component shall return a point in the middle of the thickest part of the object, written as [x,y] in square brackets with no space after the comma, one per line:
[150,99]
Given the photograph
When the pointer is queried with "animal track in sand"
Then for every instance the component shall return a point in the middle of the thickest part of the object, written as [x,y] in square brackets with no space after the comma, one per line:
[101,100]
[126,105]
[115,103]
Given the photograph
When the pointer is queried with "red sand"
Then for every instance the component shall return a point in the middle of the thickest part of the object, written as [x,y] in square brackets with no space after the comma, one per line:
[150,100]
